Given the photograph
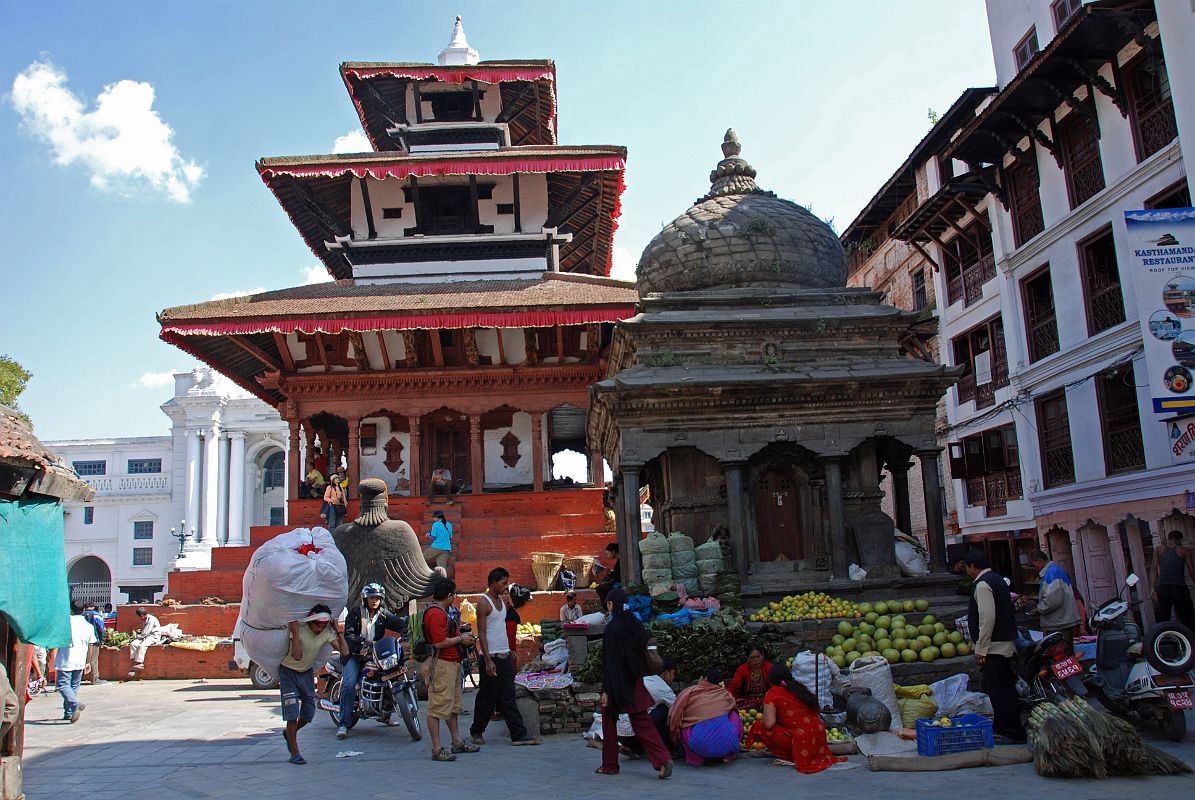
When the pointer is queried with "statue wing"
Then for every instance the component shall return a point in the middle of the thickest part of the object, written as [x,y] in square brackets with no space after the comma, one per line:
[388,554]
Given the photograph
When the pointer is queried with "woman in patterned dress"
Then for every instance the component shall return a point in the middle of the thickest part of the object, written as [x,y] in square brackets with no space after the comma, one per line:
[792,729]
[750,681]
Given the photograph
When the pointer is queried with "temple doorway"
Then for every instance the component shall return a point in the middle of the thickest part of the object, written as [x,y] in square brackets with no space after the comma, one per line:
[778,515]
[447,437]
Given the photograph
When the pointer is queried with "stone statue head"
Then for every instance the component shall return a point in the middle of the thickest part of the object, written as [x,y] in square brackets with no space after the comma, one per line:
[372,492]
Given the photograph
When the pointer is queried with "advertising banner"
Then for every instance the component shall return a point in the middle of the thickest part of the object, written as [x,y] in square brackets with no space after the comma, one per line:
[1161,247]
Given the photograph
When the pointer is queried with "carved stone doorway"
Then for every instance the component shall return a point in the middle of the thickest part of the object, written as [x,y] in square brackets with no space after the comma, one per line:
[778,516]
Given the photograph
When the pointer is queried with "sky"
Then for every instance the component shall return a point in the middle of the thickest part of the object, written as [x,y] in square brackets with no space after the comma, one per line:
[128,133]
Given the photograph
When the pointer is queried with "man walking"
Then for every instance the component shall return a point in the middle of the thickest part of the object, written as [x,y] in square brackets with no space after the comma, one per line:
[92,615]
[438,552]
[496,665]
[1172,564]
[441,483]
[149,635]
[71,662]
[442,672]
[990,618]
[296,674]
[1057,609]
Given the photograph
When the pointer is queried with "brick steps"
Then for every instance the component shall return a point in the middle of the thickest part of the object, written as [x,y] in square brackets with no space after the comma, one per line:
[232,558]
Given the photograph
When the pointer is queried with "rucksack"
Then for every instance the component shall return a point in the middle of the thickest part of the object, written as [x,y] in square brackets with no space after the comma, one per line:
[421,648]
[97,622]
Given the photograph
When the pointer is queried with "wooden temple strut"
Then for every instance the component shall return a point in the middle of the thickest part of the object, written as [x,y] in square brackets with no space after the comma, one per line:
[254,351]
[288,360]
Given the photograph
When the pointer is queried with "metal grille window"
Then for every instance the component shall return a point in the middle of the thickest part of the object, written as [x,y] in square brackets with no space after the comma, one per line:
[1026,49]
[143,556]
[143,529]
[1101,281]
[1040,321]
[83,468]
[1025,201]
[920,296]
[1054,432]
[144,466]
[88,515]
[1151,107]
[1081,161]
[1121,422]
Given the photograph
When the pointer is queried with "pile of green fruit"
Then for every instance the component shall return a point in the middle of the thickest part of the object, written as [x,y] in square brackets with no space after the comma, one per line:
[883,632]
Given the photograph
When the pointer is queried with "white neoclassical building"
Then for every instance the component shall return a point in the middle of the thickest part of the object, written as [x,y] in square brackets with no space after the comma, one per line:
[221,469]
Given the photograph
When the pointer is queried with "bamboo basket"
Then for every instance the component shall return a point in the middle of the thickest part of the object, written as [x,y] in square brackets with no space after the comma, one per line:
[580,565]
[546,568]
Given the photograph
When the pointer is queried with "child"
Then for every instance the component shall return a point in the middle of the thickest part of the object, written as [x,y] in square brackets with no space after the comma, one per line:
[296,675]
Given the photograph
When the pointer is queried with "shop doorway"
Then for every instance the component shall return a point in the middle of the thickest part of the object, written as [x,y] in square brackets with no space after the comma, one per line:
[778,516]
[1101,570]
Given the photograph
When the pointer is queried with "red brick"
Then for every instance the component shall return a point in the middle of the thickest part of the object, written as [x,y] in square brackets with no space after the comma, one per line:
[172,663]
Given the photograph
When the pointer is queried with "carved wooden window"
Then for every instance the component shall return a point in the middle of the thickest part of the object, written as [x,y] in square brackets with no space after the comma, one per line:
[369,438]
[1080,143]
[1151,108]
[982,354]
[969,264]
[1124,450]
[1101,283]
[1041,322]
[989,463]
[1177,196]
[1024,201]
[510,449]
[1054,433]
[393,450]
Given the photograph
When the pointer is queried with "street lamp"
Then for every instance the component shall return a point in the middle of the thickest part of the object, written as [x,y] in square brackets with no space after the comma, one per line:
[181,534]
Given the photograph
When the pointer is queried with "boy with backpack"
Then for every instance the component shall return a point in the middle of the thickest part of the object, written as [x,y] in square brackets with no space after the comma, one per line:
[438,642]
[92,615]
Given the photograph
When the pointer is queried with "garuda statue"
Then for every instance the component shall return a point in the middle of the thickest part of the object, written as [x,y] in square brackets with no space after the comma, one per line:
[377,548]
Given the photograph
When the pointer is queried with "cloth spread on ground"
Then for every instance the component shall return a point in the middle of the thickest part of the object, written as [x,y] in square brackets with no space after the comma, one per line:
[204,644]
[698,703]
[31,545]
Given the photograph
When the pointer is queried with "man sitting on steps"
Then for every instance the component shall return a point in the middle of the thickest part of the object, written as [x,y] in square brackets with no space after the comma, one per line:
[441,483]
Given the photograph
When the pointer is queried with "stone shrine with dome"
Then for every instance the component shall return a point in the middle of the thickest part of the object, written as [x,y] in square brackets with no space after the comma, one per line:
[761,399]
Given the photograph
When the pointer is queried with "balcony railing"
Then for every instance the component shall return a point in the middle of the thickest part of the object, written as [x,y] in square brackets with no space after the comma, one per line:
[113,485]
[1158,128]
[994,490]
[968,284]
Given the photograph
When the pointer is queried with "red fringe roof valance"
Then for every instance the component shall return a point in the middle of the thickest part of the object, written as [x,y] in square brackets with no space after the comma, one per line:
[462,167]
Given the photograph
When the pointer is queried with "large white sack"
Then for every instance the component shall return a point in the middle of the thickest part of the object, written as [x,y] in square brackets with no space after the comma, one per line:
[817,674]
[875,673]
[284,579]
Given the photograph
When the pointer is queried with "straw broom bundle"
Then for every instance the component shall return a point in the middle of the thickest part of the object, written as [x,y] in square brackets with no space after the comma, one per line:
[1062,746]
[1124,752]
[1058,745]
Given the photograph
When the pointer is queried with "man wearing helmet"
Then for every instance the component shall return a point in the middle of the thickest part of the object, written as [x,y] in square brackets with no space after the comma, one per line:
[364,624]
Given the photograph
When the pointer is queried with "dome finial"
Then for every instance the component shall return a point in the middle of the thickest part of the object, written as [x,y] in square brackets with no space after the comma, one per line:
[733,175]
[458,50]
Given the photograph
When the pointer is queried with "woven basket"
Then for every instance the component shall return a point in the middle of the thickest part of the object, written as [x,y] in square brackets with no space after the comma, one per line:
[580,565]
[546,567]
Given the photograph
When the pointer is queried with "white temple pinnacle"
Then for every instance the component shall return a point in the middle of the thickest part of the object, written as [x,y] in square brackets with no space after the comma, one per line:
[458,50]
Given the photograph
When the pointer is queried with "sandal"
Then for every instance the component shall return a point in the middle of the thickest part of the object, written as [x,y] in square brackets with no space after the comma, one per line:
[465,747]
[605,771]
[443,755]
[665,771]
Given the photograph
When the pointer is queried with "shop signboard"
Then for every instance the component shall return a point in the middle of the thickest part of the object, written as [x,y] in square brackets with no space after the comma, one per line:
[1161,250]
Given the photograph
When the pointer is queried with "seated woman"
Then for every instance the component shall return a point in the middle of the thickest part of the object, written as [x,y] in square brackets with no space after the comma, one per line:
[705,721]
[750,680]
[792,728]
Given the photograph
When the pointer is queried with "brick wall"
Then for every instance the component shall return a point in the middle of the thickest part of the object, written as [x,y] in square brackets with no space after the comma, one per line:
[168,663]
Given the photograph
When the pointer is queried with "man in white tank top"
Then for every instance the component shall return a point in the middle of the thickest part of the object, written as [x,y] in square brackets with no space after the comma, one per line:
[496,665]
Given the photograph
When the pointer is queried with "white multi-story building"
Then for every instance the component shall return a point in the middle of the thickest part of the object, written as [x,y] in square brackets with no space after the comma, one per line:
[221,470]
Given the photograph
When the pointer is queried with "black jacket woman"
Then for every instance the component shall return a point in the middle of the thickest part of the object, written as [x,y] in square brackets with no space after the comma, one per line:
[624,663]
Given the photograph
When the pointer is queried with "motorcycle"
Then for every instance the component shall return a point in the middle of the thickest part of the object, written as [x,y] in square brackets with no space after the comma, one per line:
[1045,671]
[385,686]
[1147,678]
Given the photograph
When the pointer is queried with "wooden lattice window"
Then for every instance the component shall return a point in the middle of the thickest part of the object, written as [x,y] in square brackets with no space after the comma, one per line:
[982,354]
[1124,450]
[990,466]
[969,264]
[1080,142]
[1054,432]
[1041,323]
[1101,283]
[1025,201]
[1151,108]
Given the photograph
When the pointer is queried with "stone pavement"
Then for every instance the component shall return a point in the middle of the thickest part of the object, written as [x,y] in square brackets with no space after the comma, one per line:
[221,739]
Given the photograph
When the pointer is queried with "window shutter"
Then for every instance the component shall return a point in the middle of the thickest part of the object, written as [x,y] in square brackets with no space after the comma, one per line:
[958,464]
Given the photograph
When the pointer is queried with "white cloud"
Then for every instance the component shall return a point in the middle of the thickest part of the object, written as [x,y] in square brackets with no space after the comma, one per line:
[352,142]
[122,142]
[316,274]
[154,380]
[237,293]
[622,266]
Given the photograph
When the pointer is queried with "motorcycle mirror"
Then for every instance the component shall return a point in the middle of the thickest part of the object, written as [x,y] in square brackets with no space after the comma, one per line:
[1131,580]
[1008,581]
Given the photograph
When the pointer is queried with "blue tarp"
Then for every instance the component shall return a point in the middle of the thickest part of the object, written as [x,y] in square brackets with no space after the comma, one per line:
[33,590]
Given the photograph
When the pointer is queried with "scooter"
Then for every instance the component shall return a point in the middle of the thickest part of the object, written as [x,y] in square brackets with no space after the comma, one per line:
[1149,679]
[385,686]
[1045,671]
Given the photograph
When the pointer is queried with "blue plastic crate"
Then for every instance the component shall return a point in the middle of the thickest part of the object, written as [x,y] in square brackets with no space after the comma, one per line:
[966,732]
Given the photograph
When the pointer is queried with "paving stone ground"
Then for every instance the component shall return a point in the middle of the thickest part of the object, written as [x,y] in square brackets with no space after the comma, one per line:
[221,739]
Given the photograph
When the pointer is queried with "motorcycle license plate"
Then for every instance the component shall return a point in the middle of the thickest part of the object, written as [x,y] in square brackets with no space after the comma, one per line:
[327,705]
[1179,700]
[1066,668]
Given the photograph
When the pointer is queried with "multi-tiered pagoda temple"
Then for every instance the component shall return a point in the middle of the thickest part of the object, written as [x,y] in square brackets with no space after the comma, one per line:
[471,307]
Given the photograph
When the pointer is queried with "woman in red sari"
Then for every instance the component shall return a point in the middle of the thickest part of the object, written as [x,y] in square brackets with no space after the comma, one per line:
[792,729]
[750,680]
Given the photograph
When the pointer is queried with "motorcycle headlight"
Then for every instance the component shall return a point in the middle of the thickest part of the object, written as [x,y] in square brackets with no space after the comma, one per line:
[389,662]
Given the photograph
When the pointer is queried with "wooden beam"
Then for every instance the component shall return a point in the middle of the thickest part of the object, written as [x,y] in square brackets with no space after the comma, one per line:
[418,102]
[415,202]
[288,360]
[517,104]
[925,255]
[254,351]
[501,347]
[560,344]
[571,203]
[385,353]
[518,203]
[323,352]
[474,211]
[437,350]
[476,101]
[364,183]
[981,218]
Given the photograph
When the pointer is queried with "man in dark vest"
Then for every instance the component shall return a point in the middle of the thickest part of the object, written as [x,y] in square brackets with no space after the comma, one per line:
[991,621]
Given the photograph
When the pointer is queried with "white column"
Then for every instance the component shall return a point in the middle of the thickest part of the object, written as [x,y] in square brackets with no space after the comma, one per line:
[236,489]
[194,480]
[222,501]
[211,487]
